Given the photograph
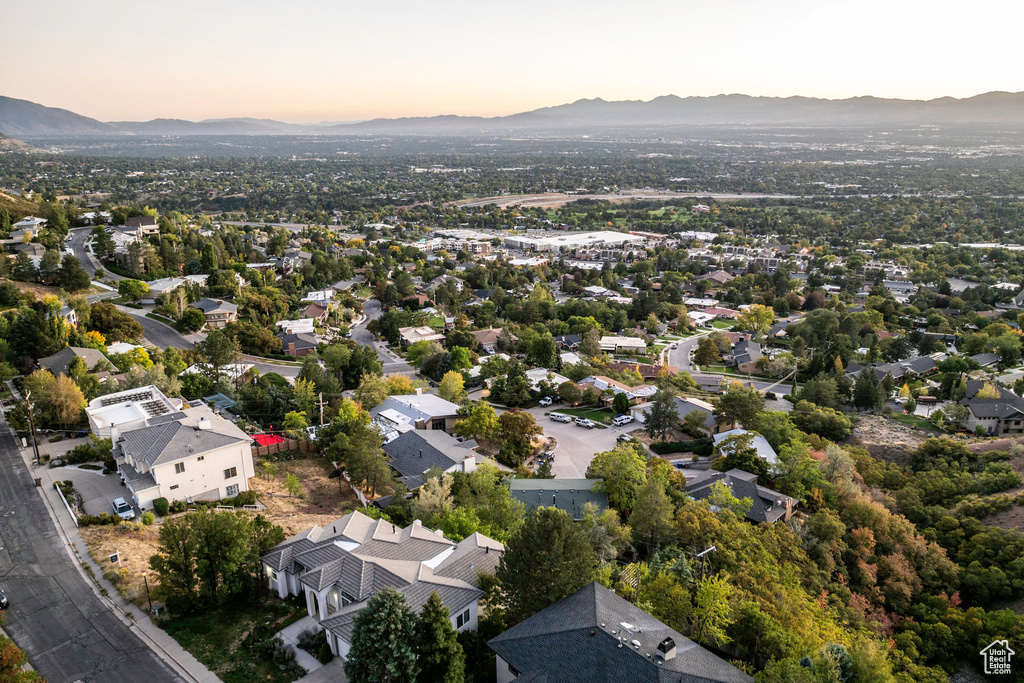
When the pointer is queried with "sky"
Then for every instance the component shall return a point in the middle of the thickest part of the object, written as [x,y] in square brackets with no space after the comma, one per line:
[339,60]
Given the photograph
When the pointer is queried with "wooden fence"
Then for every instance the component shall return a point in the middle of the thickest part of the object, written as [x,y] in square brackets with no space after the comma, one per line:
[297,445]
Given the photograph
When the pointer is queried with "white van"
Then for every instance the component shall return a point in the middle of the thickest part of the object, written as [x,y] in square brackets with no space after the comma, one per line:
[622,420]
[560,417]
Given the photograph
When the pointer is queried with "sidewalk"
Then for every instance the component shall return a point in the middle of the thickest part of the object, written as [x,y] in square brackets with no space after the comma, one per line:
[290,636]
[165,647]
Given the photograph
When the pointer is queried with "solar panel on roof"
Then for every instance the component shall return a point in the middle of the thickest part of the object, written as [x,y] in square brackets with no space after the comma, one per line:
[155,407]
[138,396]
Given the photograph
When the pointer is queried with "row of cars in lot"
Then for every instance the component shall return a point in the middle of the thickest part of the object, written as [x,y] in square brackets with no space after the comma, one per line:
[617,421]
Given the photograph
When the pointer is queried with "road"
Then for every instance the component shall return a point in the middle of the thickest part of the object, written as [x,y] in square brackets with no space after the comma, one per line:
[78,245]
[54,616]
[393,365]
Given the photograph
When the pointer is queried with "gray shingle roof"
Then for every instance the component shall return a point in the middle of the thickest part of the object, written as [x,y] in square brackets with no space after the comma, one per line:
[1007,405]
[417,406]
[417,450]
[766,505]
[167,442]
[569,495]
[58,362]
[215,306]
[577,639]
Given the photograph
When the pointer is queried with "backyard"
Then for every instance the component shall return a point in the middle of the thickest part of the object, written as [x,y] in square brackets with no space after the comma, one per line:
[313,498]
[602,416]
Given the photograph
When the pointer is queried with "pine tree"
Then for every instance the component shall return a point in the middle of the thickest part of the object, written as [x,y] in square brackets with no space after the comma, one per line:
[867,392]
[440,656]
[382,636]
[662,418]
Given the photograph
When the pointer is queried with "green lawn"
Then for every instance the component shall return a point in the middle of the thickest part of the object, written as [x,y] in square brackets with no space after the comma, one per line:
[435,321]
[915,421]
[722,324]
[214,636]
[601,416]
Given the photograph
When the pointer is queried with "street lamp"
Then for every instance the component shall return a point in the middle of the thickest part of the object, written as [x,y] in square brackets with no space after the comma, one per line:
[148,599]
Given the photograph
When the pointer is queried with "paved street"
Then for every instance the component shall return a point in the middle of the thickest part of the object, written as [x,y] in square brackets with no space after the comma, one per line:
[392,364]
[160,334]
[79,239]
[54,616]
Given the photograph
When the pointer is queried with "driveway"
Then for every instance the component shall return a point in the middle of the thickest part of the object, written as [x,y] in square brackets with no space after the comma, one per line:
[576,446]
[98,490]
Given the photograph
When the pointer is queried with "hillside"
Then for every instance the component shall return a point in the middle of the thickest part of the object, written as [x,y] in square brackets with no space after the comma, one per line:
[11,145]
[17,207]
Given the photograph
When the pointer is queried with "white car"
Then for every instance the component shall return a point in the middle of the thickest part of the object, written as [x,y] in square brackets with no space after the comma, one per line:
[546,401]
[560,417]
[123,510]
[584,422]
[622,420]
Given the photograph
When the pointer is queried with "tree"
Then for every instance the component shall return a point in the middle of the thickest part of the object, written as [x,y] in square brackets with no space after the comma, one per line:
[451,387]
[738,452]
[620,404]
[72,276]
[707,352]
[478,421]
[546,559]
[438,652]
[67,400]
[695,423]
[570,393]
[867,392]
[514,388]
[623,471]
[712,614]
[518,428]
[757,318]
[383,634]
[590,346]
[11,660]
[740,404]
[296,424]
[192,319]
[651,518]
[220,349]
[825,422]
[662,418]
[113,324]
[132,289]
[821,390]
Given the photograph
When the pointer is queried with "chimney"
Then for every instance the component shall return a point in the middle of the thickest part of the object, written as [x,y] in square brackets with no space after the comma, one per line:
[203,423]
[667,649]
[419,391]
[469,463]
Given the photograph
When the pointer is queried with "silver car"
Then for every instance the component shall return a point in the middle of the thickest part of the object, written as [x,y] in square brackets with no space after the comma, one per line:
[123,510]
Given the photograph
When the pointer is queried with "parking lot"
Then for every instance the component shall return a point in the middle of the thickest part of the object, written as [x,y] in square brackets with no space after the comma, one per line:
[577,445]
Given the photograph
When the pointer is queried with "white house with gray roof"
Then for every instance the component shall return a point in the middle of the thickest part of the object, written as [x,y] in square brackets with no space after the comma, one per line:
[217,311]
[399,414]
[183,455]
[338,566]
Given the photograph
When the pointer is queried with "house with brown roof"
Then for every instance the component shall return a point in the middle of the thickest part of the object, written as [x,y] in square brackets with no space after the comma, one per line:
[488,339]
[317,311]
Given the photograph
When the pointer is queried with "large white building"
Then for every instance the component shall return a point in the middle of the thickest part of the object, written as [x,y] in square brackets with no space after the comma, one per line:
[186,455]
[571,240]
[128,409]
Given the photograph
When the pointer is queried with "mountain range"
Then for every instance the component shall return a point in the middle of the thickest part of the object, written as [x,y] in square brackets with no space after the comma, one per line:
[24,119]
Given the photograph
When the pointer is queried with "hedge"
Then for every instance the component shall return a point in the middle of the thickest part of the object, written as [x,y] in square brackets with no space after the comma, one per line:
[697,446]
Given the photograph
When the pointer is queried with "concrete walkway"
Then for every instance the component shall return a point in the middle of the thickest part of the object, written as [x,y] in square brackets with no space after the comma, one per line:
[290,636]
[334,672]
[166,648]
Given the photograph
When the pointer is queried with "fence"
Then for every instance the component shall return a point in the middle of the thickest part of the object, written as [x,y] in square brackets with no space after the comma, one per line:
[74,517]
[297,445]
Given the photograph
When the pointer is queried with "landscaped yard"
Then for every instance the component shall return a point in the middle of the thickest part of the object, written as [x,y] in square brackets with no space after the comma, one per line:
[214,637]
[722,324]
[915,421]
[602,416]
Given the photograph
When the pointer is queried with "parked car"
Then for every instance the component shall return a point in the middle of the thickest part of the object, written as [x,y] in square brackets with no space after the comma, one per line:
[546,401]
[675,345]
[622,420]
[560,417]
[584,422]
[123,510]
[623,438]
[3,601]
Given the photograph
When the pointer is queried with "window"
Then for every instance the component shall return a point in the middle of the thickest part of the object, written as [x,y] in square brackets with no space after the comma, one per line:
[272,573]
[179,467]
[232,490]
[201,458]
[462,619]
[233,472]
[437,424]
[332,602]
[174,487]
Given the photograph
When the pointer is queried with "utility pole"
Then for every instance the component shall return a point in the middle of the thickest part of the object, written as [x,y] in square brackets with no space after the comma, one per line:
[32,426]
[321,404]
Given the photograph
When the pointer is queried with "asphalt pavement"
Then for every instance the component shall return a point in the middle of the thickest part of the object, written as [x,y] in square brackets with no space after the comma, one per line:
[393,365]
[79,246]
[54,615]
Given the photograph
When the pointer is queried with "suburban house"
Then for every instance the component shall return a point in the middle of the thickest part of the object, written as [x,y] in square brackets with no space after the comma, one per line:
[128,409]
[58,363]
[920,366]
[411,335]
[600,384]
[745,355]
[997,416]
[766,505]
[31,225]
[34,250]
[298,345]
[217,311]
[488,339]
[594,635]
[568,495]
[146,225]
[296,326]
[399,414]
[986,360]
[764,449]
[413,453]
[569,342]
[623,344]
[189,455]
[718,277]
[317,311]
[337,567]
[538,375]
[685,406]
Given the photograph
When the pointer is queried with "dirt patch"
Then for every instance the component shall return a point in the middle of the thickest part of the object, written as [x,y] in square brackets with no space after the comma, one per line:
[886,439]
[319,500]
[137,544]
[39,290]
[1007,519]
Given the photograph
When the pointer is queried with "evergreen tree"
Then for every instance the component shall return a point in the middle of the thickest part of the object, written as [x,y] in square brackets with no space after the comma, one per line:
[867,391]
[662,417]
[652,514]
[382,636]
[439,654]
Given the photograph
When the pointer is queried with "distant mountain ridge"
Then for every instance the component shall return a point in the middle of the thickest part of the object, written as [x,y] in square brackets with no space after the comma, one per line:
[21,118]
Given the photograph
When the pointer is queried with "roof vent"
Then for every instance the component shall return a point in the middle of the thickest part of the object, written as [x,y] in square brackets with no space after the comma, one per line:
[635,644]
[626,626]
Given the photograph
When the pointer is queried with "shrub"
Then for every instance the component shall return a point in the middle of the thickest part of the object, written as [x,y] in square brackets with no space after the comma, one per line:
[178,506]
[161,506]
[148,517]
[697,446]
[96,451]
[110,465]
[245,498]
[101,519]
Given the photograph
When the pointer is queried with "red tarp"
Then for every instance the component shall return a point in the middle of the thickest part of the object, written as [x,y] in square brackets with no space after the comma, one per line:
[267,439]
